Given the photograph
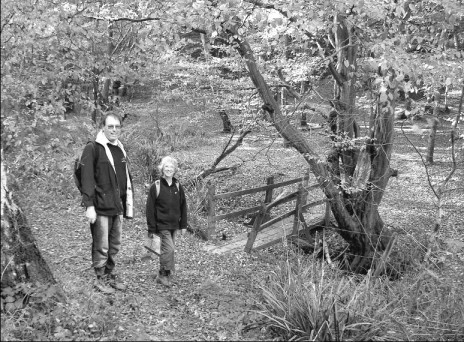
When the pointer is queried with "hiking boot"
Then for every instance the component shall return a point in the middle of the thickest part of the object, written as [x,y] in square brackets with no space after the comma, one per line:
[100,284]
[115,282]
[172,279]
[163,279]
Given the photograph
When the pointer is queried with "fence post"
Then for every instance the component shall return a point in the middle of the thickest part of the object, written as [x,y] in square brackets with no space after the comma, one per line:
[327,214]
[300,201]
[268,197]
[254,232]
[298,205]
[211,203]
[304,199]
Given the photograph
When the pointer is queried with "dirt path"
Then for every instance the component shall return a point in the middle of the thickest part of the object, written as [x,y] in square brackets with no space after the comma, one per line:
[211,300]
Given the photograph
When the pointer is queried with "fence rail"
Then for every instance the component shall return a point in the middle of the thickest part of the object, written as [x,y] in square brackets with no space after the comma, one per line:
[261,219]
[260,188]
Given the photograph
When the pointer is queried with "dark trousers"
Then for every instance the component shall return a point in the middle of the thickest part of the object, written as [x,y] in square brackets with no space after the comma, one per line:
[168,248]
[106,242]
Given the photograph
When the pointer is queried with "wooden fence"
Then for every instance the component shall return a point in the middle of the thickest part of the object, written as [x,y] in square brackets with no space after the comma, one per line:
[261,219]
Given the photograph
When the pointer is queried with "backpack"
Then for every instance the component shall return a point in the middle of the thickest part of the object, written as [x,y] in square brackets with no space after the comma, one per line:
[78,167]
[157,185]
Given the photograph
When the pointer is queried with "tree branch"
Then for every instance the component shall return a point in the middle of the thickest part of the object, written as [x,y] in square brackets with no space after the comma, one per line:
[269,6]
[453,143]
[227,150]
[123,19]
[7,21]
[290,89]
[140,20]
[336,75]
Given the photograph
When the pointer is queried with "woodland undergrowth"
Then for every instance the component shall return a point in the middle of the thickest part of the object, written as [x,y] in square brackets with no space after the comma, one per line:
[285,294]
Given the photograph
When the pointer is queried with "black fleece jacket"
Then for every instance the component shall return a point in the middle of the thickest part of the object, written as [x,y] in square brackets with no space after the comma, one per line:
[100,187]
[168,211]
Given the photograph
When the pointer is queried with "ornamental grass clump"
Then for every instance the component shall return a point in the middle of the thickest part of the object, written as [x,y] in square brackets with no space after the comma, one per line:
[303,302]
[307,300]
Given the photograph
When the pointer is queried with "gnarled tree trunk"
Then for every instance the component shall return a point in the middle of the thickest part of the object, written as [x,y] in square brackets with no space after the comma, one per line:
[345,97]
[21,259]
[355,201]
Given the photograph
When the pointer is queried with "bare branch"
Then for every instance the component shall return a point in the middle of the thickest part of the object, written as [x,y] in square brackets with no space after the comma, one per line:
[336,75]
[290,89]
[269,6]
[123,19]
[138,20]
[227,150]
[338,78]
[429,180]
[120,42]
[453,143]
[7,21]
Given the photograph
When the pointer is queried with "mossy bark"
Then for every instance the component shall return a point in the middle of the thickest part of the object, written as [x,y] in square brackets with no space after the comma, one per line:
[21,258]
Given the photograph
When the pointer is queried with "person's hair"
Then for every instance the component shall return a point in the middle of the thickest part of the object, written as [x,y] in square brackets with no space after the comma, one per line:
[107,115]
[166,160]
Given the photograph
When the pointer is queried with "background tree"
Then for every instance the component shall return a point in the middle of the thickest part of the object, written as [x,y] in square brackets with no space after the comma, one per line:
[354,198]
[21,259]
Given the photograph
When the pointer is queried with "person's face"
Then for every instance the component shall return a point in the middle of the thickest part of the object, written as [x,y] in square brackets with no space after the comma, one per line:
[168,170]
[112,129]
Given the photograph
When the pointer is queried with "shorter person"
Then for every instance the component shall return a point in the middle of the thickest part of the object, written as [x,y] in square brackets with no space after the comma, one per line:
[166,213]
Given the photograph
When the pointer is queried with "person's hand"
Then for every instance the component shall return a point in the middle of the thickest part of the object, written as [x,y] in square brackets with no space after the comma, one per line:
[91,214]
[182,232]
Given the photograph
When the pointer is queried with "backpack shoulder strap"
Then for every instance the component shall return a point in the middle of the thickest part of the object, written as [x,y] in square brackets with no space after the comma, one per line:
[157,185]
[96,149]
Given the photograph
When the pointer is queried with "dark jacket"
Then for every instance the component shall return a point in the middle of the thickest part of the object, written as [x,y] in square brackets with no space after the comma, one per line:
[99,183]
[168,211]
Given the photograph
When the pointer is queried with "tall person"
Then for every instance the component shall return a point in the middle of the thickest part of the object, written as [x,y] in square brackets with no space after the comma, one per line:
[108,197]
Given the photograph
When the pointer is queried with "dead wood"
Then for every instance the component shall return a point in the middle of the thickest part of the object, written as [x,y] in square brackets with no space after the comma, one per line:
[228,149]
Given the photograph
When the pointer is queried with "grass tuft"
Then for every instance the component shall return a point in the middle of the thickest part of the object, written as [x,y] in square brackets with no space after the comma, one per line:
[304,302]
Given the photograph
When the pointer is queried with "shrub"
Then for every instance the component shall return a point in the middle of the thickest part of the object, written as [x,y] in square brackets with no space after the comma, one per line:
[147,143]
